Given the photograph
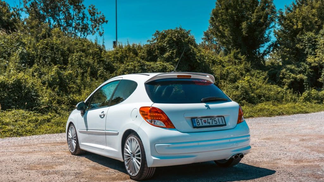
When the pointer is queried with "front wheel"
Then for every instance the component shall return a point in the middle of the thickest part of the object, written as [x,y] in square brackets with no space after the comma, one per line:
[135,160]
[72,140]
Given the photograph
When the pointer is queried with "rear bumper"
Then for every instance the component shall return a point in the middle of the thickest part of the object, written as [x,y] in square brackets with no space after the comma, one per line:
[202,146]
[170,160]
[171,147]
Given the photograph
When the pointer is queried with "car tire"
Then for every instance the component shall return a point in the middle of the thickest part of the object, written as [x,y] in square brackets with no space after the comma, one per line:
[72,140]
[135,159]
[227,163]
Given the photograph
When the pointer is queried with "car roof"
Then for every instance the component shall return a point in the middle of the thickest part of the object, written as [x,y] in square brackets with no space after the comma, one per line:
[148,77]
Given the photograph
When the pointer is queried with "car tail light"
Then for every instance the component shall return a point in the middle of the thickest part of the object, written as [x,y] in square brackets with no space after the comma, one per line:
[240,118]
[156,117]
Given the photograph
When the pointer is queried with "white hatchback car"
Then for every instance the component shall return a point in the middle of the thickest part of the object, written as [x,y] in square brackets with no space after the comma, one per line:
[151,120]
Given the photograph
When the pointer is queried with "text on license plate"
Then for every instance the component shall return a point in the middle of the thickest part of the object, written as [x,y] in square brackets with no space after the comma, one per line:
[208,121]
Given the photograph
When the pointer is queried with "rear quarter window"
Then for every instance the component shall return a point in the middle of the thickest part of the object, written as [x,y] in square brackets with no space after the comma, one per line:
[183,91]
[124,90]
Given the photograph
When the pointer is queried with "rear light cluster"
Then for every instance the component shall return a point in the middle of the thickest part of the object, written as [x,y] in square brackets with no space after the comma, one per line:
[240,118]
[156,117]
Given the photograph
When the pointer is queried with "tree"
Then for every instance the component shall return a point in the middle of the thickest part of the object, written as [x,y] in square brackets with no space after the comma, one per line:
[243,26]
[316,60]
[8,18]
[299,18]
[171,45]
[209,42]
[71,16]
[299,45]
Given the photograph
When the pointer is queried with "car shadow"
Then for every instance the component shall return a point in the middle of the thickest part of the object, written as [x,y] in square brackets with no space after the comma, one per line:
[105,161]
[206,171]
[209,171]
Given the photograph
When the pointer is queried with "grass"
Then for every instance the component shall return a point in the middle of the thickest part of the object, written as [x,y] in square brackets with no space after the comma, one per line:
[268,109]
[17,123]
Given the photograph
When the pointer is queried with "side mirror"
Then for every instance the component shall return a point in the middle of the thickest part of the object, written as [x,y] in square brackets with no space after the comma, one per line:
[81,106]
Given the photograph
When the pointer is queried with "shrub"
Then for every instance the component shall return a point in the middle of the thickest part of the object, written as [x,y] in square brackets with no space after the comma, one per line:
[19,92]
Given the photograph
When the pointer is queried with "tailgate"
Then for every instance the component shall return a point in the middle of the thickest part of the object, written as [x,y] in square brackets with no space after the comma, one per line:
[216,115]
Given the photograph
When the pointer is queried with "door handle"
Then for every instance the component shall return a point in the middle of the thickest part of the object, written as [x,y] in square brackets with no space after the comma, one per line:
[102,115]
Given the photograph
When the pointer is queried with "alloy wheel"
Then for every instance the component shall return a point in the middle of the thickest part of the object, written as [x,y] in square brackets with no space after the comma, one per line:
[72,139]
[132,156]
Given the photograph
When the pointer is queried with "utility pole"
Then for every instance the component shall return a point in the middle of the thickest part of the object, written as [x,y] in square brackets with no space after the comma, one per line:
[115,42]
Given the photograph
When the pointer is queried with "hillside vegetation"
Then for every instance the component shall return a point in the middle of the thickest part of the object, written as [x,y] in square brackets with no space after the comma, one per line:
[47,64]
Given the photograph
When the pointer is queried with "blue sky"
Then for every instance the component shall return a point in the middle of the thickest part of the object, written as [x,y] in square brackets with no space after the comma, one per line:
[139,19]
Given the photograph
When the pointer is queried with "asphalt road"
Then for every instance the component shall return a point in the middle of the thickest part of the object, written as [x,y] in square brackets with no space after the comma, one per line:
[284,148]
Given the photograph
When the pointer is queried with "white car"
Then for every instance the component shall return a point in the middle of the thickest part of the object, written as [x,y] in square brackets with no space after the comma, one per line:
[150,120]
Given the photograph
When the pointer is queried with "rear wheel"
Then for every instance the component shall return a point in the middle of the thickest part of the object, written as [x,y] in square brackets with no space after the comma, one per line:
[135,160]
[72,140]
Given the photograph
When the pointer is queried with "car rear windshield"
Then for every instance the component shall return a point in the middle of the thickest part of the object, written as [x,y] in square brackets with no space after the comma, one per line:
[184,91]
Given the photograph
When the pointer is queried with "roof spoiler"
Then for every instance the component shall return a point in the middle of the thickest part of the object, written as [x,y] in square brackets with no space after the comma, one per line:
[203,76]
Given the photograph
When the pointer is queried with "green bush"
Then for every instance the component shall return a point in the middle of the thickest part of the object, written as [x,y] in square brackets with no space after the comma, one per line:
[277,108]
[255,89]
[23,123]
[313,96]
[19,92]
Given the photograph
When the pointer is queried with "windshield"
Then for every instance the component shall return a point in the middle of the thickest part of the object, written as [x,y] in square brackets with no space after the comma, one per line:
[175,90]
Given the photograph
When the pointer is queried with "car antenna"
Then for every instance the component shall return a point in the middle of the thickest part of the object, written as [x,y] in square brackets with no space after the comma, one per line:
[175,69]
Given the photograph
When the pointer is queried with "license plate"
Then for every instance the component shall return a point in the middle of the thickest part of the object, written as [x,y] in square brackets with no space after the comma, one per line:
[208,121]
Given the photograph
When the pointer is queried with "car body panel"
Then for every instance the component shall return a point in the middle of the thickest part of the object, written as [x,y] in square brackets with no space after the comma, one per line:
[94,126]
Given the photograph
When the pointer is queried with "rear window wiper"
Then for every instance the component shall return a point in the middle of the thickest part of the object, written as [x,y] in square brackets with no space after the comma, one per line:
[210,99]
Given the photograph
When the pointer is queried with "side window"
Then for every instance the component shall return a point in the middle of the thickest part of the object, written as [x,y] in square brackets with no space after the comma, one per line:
[124,90]
[102,96]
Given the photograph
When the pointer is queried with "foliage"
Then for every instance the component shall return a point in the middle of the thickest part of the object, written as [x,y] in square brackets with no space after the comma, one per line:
[313,96]
[12,124]
[71,16]
[133,60]
[299,40]
[243,26]
[300,18]
[209,42]
[18,92]
[8,18]
[46,66]
[268,109]
[316,60]
[176,47]
[55,69]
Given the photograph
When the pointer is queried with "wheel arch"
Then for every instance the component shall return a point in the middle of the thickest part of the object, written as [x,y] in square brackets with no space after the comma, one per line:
[68,123]
[125,135]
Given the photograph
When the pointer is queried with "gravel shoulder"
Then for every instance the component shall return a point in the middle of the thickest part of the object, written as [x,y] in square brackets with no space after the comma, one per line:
[284,148]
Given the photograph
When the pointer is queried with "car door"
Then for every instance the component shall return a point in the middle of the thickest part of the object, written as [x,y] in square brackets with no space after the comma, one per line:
[96,114]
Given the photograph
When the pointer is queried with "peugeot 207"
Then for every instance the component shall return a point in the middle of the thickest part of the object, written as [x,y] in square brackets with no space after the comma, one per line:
[151,120]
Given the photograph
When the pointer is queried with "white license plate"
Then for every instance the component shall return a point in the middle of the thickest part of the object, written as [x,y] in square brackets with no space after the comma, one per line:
[208,121]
